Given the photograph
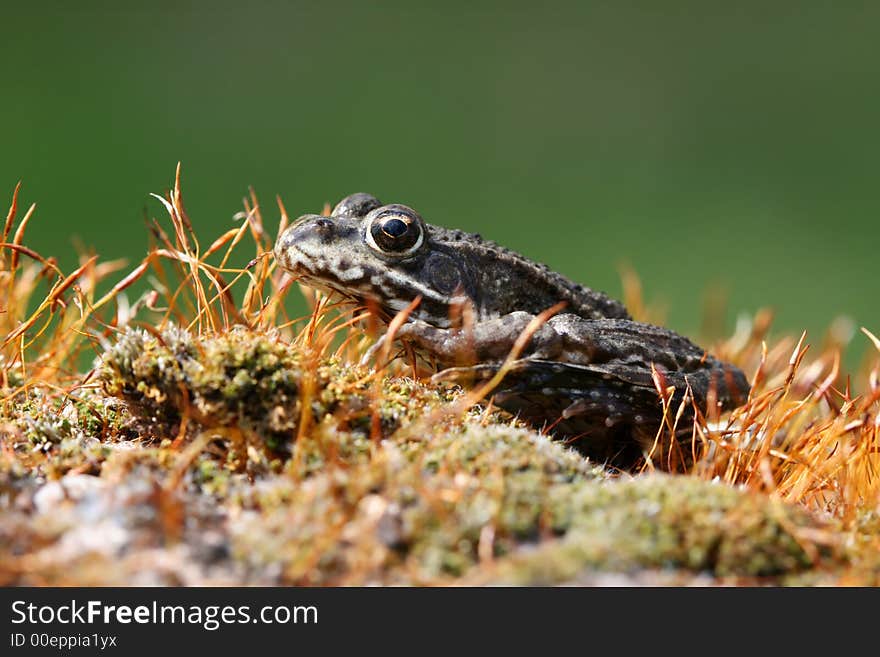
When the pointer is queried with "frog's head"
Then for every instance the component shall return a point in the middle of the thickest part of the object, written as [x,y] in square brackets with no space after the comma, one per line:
[368,251]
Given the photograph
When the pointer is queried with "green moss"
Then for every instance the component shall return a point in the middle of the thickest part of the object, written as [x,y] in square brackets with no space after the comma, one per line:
[389,482]
[432,512]
[236,378]
[249,381]
[666,522]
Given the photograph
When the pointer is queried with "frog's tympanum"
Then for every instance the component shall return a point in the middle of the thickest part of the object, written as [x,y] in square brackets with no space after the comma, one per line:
[589,373]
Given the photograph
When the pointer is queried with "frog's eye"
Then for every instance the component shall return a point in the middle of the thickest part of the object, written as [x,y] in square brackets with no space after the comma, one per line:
[394,230]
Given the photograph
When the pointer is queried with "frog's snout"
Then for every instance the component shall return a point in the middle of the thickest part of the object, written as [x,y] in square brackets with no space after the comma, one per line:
[308,228]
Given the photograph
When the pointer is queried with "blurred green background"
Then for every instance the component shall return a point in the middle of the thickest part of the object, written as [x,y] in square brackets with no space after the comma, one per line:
[733,146]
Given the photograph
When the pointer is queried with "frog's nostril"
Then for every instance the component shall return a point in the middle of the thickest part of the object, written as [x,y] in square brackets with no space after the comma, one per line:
[322,227]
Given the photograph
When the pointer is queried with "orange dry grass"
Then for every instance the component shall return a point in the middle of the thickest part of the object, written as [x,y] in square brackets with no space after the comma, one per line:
[40,335]
[806,434]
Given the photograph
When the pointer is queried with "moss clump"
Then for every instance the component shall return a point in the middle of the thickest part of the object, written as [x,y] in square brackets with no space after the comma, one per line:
[253,383]
[55,432]
[500,504]
[665,522]
[234,379]
[415,512]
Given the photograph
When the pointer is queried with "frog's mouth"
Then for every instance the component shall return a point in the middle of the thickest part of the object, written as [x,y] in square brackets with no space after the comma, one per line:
[328,287]
[318,276]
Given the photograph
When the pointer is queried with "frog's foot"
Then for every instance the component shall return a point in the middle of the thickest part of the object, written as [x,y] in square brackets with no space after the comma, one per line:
[418,332]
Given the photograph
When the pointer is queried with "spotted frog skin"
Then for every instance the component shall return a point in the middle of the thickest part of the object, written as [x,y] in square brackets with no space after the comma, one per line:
[588,373]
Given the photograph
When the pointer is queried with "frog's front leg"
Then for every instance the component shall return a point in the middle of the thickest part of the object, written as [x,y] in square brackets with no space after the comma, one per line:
[488,340]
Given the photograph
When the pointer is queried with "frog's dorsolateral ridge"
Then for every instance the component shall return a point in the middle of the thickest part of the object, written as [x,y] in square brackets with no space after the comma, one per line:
[586,372]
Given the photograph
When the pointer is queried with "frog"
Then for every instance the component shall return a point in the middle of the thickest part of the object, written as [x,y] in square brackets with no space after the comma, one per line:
[588,373]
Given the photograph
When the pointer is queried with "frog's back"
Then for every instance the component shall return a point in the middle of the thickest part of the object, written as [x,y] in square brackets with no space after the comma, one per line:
[504,281]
